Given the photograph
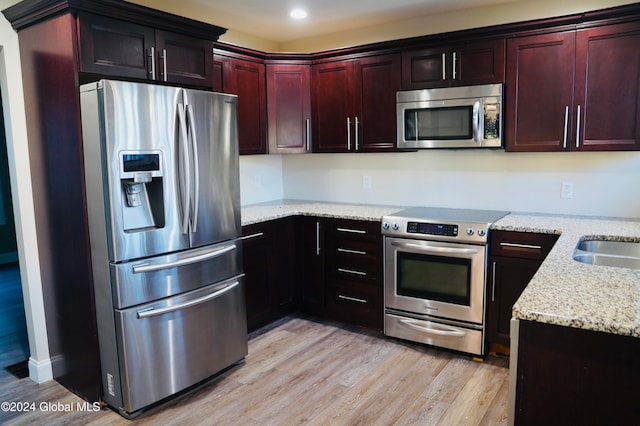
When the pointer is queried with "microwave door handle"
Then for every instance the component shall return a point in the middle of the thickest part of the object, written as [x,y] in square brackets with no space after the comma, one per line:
[195,176]
[438,250]
[476,121]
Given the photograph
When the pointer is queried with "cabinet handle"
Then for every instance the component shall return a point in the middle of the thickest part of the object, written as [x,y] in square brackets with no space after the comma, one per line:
[493,283]
[256,235]
[578,129]
[164,64]
[454,65]
[343,250]
[444,67]
[308,129]
[353,231]
[353,299]
[566,125]
[317,238]
[348,134]
[356,132]
[351,271]
[151,56]
[526,246]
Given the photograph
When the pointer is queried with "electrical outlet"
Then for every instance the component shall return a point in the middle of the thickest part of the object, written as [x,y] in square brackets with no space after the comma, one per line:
[567,190]
[366,182]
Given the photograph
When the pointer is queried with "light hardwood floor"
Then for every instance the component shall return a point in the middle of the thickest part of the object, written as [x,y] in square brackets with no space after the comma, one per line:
[304,371]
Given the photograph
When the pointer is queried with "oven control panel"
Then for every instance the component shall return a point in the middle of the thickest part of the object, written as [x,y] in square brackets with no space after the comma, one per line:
[439,229]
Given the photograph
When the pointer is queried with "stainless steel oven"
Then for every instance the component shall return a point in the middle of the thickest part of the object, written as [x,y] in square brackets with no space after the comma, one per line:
[434,276]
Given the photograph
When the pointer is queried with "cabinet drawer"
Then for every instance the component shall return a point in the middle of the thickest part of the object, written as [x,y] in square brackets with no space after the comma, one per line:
[525,245]
[357,230]
[347,269]
[355,303]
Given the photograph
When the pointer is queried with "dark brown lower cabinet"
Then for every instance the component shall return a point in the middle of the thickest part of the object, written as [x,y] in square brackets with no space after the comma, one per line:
[353,272]
[514,259]
[569,376]
[310,264]
[268,250]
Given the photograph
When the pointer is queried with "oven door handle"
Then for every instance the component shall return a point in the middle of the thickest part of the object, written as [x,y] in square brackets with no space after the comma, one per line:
[454,332]
[432,249]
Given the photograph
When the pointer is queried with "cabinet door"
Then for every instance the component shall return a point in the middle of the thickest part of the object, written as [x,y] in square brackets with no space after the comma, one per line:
[247,80]
[184,60]
[289,108]
[331,108]
[310,257]
[509,277]
[378,79]
[478,63]
[283,298]
[607,88]
[539,92]
[425,68]
[112,47]
[259,273]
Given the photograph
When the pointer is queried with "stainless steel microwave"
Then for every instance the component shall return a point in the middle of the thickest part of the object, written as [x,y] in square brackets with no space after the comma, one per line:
[453,117]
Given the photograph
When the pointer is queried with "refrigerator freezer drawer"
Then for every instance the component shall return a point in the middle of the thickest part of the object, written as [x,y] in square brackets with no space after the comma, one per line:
[167,346]
[158,277]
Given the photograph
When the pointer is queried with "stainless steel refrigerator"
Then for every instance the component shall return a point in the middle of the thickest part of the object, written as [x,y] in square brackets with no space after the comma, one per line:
[163,198]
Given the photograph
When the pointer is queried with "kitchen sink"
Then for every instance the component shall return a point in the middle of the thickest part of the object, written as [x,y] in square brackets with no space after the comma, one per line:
[621,254]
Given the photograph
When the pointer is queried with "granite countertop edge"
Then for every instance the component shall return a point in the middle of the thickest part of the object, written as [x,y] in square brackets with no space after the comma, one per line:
[562,292]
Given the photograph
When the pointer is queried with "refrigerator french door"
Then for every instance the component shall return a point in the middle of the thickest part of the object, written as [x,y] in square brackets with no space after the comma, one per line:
[163,203]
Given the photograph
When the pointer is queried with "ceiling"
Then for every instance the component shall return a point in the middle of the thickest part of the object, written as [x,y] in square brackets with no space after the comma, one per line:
[270,19]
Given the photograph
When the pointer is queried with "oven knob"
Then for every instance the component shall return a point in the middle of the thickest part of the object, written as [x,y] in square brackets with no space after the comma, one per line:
[481,232]
[395,226]
[469,231]
[385,225]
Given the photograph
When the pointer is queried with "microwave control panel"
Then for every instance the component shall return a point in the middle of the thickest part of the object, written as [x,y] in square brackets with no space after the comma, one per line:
[491,121]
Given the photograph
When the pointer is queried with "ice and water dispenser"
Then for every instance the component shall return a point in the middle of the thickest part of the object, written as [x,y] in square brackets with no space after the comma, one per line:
[142,190]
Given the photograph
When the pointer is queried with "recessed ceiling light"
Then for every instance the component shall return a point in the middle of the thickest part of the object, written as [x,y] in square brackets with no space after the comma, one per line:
[298,14]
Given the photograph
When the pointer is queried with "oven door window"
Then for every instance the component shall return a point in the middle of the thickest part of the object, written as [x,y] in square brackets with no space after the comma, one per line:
[444,123]
[443,279]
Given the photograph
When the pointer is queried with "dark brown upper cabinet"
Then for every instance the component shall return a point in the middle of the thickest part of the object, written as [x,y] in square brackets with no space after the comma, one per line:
[246,78]
[289,108]
[118,48]
[574,90]
[354,104]
[458,65]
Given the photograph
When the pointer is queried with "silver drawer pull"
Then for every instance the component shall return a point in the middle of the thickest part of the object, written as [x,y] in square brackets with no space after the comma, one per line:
[353,299]
[525,246]
[353,231]
[152,312]
[349,271]
[210,254]
[256,235]
[342,250]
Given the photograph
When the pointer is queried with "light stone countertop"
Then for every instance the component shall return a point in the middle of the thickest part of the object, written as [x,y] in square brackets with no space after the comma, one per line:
[569,293]
[256,213]
[563,291]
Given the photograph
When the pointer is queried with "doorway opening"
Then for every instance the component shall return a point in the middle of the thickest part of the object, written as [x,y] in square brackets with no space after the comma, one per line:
[14,343]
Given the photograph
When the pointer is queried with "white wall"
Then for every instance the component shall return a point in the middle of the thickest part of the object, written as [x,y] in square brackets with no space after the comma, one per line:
[604,184]
[260,178]
[20,177]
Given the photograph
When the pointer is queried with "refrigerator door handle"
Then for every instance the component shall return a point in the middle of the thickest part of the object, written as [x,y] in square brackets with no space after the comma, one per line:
[195,177]
[184,169]
[154,312]
[152,267]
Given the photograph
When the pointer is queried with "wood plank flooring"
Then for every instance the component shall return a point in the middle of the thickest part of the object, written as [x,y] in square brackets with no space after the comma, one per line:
[304,371]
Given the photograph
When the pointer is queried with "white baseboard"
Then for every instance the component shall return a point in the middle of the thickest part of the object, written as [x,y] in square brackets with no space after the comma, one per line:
[40,371]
